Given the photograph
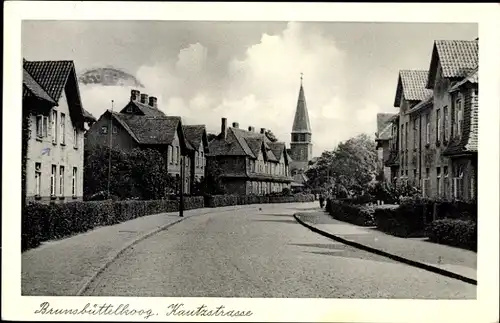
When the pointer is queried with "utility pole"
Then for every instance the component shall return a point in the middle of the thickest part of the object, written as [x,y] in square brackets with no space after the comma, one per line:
[110,145]
[181,199]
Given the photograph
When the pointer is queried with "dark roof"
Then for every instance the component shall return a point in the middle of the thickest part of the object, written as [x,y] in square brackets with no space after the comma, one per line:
[384,125]
[239,142]
[194,134]
[411,86]
[88,116]
[150,130]
[51,75]
[31,87]
[145,109]
[301,120]
[457,57]
[278,149]
[472,78]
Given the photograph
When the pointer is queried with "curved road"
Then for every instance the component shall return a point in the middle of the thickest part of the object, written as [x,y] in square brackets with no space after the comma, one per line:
[263,252]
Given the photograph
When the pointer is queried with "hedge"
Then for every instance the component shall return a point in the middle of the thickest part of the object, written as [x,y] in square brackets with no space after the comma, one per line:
[454,232]
[356,214]
[42,222]
[401,221]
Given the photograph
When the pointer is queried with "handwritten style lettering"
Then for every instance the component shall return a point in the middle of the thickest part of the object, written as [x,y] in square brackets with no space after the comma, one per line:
[203,310]
[96,309]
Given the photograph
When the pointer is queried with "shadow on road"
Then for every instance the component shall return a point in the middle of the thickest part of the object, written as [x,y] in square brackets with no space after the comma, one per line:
[281,221]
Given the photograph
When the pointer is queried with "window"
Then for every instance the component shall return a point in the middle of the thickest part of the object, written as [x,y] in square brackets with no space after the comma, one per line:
[438,180]
[38,178]
[415,134]
[425,183]
[414,176]
[177,154]
[115,129]
[39,126]
[459,121]
[202,161]
[53,122]
[73,182]
[402,136]
[438,125]
[53,181]
[406,135]
[61,180]
[104,129]
[170,155]
[445,180]
[445,124]
[457,116]
[63,129]
[75,137]
[428,129]
[457,183]
[130,109]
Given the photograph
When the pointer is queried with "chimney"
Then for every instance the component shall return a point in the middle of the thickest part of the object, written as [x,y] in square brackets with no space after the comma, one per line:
[236,125]
[223,128]
[250,128]
[262,130]
[153,102]
[144,98]
[135,95]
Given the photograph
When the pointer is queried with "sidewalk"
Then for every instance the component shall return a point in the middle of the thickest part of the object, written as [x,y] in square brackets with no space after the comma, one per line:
[63,267]
[454,260]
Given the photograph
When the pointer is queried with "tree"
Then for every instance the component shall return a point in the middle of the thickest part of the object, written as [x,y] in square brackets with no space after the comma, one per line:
[212,183]
[347,169]
[271,136]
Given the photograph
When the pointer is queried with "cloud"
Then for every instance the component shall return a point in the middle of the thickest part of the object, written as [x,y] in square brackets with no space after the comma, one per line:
[259,88]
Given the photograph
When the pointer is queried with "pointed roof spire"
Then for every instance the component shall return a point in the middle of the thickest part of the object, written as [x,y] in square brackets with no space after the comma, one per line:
[301,121]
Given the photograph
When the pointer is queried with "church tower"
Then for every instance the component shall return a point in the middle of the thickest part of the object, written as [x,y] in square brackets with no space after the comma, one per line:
[300,145]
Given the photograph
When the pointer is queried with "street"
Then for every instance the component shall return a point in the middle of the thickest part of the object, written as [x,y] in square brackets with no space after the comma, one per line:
[263,252]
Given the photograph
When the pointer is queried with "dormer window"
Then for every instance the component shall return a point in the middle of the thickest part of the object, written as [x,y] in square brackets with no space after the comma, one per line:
[130,109]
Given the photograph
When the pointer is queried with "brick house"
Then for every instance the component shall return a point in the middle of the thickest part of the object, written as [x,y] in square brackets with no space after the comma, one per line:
[54,152]
[250,162]
[438,123]
[140,124]
[382,138]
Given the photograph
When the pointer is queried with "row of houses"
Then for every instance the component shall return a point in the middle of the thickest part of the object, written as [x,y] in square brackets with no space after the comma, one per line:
[432,141]
[250,163]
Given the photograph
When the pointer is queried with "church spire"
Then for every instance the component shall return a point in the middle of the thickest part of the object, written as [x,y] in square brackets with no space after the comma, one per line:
[301,121]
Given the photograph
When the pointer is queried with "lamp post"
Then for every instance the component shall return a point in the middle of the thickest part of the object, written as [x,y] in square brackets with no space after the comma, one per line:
[181,199]
[110,146]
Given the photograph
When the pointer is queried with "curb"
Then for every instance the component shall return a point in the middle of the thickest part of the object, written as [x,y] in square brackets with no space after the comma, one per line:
[111,259]
[407,261]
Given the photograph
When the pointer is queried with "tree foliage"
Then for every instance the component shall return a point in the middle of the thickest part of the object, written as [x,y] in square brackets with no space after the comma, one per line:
[138,174]
[212,183]
[347,169]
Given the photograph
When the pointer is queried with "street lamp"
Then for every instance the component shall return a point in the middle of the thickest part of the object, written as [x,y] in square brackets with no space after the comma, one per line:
[181,199]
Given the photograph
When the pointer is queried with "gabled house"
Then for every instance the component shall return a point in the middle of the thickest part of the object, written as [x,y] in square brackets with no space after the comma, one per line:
[382,138]
[140,124]
[54,144]
[411,90]
[196,135]
[453,79]
[250,162]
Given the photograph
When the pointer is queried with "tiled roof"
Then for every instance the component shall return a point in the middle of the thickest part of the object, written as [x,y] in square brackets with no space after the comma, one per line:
[278,148]
[150,130]
[301,122]
[473,78]
[411,86]
[457,57]
[51,75]
[194,134]
[239,142]
[31,87]
[144,109]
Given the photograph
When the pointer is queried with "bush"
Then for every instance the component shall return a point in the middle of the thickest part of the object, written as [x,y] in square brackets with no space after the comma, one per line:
[228,200]
[402,221]
[356,214]
[454,232]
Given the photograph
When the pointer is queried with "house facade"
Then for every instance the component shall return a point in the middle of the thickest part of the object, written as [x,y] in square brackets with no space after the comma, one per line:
[54,152]
[140,124]
[249,161]
[382,138]
[438,123]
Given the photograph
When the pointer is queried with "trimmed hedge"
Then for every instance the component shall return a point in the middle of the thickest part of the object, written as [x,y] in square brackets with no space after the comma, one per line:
[356,214]
[454,232]
[401,221]
[42,222]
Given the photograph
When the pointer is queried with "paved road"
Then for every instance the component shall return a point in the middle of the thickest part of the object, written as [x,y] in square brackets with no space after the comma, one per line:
[263,253]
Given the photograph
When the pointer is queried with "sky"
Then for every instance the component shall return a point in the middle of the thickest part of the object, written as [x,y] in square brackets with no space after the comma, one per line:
[248,72]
